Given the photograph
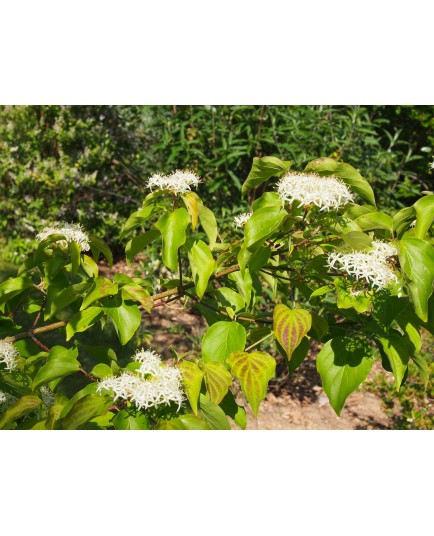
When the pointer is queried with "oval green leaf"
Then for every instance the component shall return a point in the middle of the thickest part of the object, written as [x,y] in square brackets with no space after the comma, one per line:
[172,226]
[55,368]
[343,364]
[221,339]
[84,410]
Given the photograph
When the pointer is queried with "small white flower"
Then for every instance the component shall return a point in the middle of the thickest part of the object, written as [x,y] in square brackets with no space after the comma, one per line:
[9,355]
[327,193]
[6,400]
[432,165]
[370,265]
[152,384]
[242,219]
[178,182]
[72,232]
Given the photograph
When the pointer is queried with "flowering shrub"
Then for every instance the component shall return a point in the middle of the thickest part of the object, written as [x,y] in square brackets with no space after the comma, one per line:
[314,261]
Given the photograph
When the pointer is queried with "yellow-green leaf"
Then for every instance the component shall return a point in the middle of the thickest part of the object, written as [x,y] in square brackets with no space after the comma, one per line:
[290,326]
[58,367]
[192,202]
[84,410]
[101,287]
[192,382]
[254,371]
[217,380]
[19,408]
[172,226]
[139,294]
[202,266]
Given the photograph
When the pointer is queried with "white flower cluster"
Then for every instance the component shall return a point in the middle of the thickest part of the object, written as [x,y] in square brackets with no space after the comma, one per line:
[152,384]
[178,182]
[6,400]
[9,355]
[242,219]
[327,193]
[370,265]
[72,232]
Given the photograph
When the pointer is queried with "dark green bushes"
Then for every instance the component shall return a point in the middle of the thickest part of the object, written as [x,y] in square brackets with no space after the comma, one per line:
[90,163]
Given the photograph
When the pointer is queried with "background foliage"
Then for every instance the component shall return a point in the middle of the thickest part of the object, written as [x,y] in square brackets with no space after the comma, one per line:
[90,163]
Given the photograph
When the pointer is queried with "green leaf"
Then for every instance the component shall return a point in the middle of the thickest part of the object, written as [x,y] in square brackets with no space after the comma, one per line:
[126,318]
[75,252]
[357,240]
[138,243]
[234,411]
[209,224]
[56,301]
[290,326]
[263,223]
[403,219]
[58,367]
[424,208]
[320,327]
[172,226]
[192,382]
[90,389]
[350,176]
[125,421]
[343,364]
[100,288]
[89,266]
[13,287]
[262,170]
[398,351]
[217,380]
[221,339]
[137,218]
[244,285]
[85,409]
[172,424]
[191,422]
[229,298]
[82,320]
[97,246]
[361,301]
[254,371]
[101,371]
[268,199]
[213,414]
[416,258]
[202,266]
[19,408]
[374,220]
[192,202]
[137,293]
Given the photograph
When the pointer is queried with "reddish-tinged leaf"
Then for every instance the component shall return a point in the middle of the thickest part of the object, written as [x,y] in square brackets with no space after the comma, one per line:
[254,372]
[290,326]
[217,380]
